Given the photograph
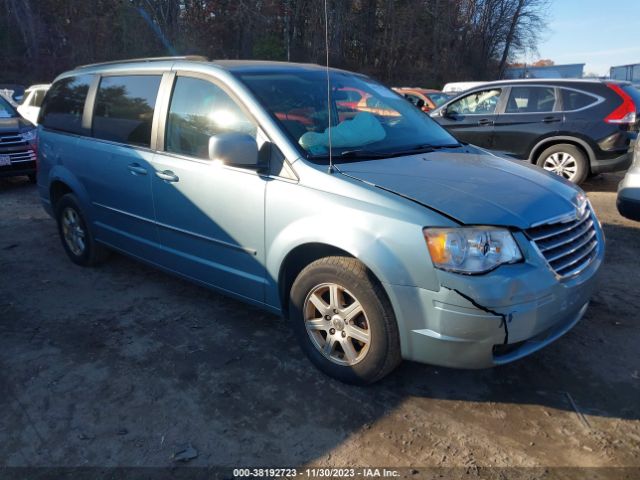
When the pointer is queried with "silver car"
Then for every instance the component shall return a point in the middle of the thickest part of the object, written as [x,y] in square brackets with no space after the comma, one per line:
[345,209]
[629,189]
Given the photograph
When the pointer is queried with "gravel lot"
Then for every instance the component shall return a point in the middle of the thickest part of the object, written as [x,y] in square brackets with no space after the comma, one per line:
[123,365]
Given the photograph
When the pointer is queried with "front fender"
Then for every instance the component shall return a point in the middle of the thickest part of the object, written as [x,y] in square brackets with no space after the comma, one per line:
[386,236]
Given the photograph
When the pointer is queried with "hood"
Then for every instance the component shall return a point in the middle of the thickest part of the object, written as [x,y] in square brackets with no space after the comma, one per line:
[473,188]
[14,124]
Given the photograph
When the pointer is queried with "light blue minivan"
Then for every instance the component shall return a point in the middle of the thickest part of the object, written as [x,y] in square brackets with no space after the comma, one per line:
[322,196]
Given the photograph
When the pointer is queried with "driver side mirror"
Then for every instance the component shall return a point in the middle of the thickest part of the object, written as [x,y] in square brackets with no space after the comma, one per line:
[235,150]
[448,112]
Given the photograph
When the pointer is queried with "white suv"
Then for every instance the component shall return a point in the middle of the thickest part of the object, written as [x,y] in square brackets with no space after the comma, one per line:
[30,106]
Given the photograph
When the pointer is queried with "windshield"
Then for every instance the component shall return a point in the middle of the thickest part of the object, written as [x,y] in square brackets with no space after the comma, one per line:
[366,117]
[6,110]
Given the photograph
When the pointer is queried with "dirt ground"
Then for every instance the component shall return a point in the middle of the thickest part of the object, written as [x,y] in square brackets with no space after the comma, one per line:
[123,365]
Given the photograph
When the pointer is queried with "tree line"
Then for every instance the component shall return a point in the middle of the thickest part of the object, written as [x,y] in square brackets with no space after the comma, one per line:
[400,42]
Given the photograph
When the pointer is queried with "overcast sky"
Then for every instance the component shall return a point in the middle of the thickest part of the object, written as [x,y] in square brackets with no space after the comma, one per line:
[600,33]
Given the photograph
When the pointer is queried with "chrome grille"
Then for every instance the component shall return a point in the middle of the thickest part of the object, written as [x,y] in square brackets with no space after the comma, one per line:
[11,140]
[568,246]
[20,157]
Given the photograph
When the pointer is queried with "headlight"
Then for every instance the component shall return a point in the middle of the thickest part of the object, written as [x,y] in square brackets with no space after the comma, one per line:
[471,250]
[29,135]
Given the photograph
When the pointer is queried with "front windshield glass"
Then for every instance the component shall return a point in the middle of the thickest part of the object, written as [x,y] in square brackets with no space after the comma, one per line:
[366,117]
[6,110]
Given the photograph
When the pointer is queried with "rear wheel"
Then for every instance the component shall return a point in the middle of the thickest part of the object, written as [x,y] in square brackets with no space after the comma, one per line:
[343,320]
[565,160]
[77,239]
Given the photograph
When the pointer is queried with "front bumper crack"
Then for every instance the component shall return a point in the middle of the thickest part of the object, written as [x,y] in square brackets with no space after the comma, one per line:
[505,317]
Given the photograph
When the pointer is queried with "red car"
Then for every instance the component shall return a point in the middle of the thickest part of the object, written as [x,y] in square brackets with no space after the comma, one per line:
[423,98]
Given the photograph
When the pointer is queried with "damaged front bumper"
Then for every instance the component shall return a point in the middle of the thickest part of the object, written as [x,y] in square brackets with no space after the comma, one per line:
[488,320]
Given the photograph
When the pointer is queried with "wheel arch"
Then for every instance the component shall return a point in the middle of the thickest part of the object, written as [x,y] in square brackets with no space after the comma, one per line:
[61,182]
[57,190]
[579,143]
[304,254]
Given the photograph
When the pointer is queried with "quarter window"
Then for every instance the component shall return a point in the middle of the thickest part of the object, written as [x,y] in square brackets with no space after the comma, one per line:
[64,104]
[531,100]
[37,98]
[483,102]
[574,100]
[124,109]
[200,110]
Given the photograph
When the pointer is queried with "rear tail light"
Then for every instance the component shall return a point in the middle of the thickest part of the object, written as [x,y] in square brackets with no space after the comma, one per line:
[625,113]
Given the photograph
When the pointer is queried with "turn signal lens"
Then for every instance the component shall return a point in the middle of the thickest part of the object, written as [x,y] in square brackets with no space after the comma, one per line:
[437,243]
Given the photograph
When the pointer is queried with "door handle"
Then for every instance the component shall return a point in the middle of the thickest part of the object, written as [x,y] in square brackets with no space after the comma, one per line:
[485,121]
[168,176]
[136,169]
[550,119]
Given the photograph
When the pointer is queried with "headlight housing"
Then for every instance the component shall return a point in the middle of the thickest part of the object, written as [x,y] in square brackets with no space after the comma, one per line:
[28,135]
[471,250]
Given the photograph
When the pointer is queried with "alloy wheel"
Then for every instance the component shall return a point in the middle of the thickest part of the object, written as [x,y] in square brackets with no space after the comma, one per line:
[72,231]
[337,324]
[561,163]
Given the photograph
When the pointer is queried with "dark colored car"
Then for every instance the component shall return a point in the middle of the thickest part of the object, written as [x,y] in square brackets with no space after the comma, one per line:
[17,143]
[569,127]
[12,92]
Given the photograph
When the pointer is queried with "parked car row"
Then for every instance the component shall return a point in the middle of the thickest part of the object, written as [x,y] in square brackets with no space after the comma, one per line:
[566,127]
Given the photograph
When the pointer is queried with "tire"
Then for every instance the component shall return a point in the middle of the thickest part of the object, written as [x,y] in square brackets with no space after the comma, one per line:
[565,160]
[77,239]
[376,350]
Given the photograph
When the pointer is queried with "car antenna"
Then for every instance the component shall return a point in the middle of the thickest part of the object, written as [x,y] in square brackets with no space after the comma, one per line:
[326,43]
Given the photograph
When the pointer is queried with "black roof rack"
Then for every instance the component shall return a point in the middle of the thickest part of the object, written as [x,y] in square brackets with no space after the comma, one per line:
[195,58]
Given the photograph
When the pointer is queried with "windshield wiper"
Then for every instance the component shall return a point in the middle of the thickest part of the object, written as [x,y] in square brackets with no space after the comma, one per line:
[365,154]
[374,154]
[426,147]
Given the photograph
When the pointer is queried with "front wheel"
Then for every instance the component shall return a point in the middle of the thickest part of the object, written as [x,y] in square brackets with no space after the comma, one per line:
[343,320]
[566,161]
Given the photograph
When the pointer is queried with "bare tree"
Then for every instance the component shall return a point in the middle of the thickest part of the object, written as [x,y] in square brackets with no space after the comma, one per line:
[419,42]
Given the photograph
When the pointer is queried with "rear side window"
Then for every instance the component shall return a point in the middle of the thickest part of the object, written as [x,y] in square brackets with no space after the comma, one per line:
[37,98]
[64,104]
[124,109]
[531,100]
[574,100]
[199,110]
